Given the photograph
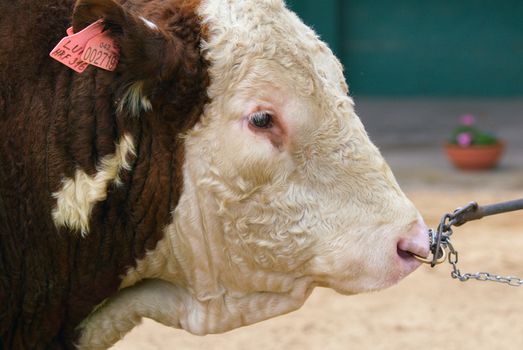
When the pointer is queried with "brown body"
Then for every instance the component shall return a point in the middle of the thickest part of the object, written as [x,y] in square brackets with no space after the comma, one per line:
[54,121]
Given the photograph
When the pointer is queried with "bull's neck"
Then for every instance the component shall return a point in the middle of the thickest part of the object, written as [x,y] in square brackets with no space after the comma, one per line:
[120,176]
[185,249]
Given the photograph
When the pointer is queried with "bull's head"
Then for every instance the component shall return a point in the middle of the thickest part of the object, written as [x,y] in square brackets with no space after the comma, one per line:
[280,174]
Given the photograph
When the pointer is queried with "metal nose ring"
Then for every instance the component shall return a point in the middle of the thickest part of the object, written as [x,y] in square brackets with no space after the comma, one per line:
[428,260]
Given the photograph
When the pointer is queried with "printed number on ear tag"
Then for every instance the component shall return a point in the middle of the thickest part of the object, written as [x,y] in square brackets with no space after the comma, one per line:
[101,51]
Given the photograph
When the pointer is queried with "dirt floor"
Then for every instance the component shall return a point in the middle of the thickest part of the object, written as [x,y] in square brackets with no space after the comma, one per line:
[427,310]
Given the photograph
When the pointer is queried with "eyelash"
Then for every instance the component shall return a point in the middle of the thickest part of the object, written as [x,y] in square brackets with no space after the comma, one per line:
[257,120]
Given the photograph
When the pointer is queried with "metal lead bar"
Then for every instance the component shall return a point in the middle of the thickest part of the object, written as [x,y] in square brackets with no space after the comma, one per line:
[486,210]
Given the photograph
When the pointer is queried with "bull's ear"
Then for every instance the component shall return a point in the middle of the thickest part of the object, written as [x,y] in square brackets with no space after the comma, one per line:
[160,66]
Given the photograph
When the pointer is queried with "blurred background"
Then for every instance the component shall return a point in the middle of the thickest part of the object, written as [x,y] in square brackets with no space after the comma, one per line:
[414,67]
[411,48]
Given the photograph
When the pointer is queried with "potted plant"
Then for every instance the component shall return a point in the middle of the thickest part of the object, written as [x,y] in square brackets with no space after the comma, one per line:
[469,148]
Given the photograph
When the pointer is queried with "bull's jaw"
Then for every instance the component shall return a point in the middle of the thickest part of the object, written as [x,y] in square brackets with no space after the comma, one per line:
[224,294]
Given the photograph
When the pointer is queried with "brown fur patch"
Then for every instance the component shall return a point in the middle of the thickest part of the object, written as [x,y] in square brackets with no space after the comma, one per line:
[53,121]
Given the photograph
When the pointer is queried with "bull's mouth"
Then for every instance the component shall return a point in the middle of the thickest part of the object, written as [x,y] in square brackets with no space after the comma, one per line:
[398,266]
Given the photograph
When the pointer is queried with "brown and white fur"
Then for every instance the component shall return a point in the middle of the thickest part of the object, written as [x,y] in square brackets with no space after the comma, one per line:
[150,192]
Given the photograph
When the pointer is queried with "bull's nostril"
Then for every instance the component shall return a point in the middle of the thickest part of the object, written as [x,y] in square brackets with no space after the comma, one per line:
[406,248]
[416,242]
[404,254]
[410,247]
[416,245]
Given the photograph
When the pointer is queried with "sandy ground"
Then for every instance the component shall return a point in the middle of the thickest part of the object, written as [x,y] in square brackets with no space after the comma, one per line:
[427,310]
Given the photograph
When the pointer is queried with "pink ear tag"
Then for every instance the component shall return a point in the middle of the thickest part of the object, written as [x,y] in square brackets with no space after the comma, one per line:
[101,51]
[69,50]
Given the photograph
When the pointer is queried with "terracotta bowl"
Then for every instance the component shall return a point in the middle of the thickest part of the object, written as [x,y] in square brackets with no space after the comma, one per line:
[475,157]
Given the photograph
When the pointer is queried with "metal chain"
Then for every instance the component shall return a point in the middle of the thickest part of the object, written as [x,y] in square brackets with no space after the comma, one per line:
[440,242]
[480,276]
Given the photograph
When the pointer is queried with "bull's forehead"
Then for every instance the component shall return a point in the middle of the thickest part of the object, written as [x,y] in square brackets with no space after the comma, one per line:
[261,39]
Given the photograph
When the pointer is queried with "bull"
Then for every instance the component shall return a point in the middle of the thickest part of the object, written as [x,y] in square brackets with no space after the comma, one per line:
[211,181]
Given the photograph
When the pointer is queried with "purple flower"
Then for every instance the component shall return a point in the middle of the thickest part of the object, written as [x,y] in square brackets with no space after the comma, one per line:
[464,139]
[467,119]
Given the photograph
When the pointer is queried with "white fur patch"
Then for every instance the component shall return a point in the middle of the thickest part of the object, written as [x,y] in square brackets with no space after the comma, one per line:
[148,23]
[76,199]
[134,100]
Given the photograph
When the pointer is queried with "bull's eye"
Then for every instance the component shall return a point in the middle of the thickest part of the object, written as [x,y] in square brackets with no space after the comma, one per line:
[262,120]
